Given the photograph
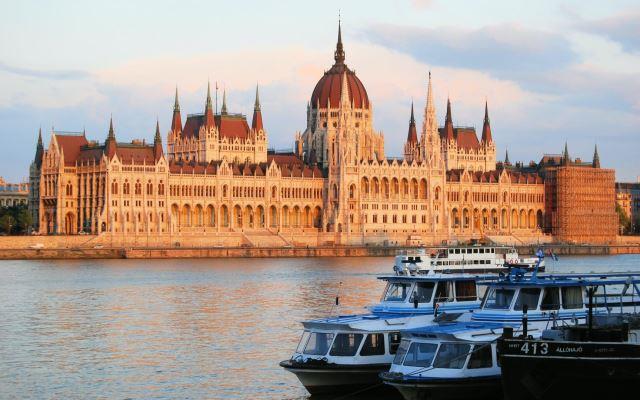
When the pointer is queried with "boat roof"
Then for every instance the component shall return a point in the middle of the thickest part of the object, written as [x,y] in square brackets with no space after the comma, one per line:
[452,328]
[439,276]
[566,280]
[356,321]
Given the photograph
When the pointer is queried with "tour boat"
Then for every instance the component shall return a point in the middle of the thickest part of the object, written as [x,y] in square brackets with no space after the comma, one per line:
[454,359]
[469,259]
[347,353]
[599,360]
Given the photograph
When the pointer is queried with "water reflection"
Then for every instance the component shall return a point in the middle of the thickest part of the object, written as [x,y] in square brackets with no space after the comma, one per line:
[176,328]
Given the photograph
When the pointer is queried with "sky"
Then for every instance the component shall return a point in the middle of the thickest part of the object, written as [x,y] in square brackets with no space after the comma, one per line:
[551,71]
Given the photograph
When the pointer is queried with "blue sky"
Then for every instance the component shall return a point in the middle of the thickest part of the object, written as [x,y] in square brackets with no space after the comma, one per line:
[552,71]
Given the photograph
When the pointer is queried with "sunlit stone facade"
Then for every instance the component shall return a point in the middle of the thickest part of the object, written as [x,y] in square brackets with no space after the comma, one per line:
[217,179]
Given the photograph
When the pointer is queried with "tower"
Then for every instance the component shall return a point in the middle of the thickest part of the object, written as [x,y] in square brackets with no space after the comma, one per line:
[412,147]
[430,147]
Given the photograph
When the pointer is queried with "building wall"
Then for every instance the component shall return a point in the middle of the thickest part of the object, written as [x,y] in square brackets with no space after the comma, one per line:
[581,204]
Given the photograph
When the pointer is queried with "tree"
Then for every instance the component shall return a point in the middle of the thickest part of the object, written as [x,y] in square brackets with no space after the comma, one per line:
[7,223]
[623,219]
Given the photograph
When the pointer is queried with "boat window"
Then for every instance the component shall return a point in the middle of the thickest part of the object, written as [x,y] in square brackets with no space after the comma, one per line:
[481,251]
[499,299]
[466,291]
[480,357]
[402,350]
[572,297]
[394,342]
[420,354]
[423,292]
[444,291]
[318,343]
[346,344]
[528,296]
[550,299]
[397,292]
[457,251]
[303,341]
[373,345]
[452,355]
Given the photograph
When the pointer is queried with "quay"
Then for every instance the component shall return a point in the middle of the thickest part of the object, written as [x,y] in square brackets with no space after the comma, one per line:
[90,247]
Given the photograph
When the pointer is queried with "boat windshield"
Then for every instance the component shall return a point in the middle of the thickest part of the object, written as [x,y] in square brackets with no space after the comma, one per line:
[466,291]
[420,354]
[303,342]
[572,297]
[318,343]
[499,299]
[397,291]
[402,351]
[346,344]
[528,296]
[423,292]
[452,355]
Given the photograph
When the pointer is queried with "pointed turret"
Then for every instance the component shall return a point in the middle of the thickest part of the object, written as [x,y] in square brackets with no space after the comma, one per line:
[412,136]
[448,124]
[596,158]
[110,144]
[486,127]
[176,121]
[209,121]
[157,142]
[223,110]
[506,157]
[39,149]
[344,92]
[256,122]
[565,155]
[338,56]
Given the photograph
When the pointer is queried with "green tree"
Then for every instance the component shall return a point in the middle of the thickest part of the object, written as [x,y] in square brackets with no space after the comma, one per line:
[23,219]
[623,219]
[7,223]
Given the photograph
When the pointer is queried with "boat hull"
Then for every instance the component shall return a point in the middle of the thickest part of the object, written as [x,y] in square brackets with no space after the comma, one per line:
[334,378]
[447,389]
[570,370]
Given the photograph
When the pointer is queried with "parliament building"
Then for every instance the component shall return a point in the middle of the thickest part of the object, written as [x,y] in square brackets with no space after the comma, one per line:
[217,182]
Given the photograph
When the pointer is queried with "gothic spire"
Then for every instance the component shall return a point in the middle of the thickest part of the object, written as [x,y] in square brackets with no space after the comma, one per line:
[412,136]
[256,122]
[339,53]
[486,127]
[39,149]
[110,145]
[448,124]
[596,158]
[506,157]
[176,120]
[223,110]
[176,104]
[565,155]
[209,121]
[157,142]
[344,91]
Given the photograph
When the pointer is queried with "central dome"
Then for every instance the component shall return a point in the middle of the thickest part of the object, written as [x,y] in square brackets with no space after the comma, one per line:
[329,87]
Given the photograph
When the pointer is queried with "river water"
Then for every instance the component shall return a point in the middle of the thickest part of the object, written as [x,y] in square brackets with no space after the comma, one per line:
[179,328]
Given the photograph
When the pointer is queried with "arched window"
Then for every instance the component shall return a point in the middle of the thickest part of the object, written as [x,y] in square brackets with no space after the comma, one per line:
[138,188]
[125,187]
[149,188]
[161,188]
[114,187]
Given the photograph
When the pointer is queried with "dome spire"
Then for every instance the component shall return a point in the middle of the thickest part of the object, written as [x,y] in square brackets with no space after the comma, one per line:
[339,54]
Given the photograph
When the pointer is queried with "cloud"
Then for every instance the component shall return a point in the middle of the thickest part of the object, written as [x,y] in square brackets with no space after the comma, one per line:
[422,4]
[623,28]
[46,74]
[505,51]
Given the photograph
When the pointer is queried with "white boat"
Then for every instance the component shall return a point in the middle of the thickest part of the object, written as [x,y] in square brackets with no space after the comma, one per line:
[467,259]
[458,359]
[347,353]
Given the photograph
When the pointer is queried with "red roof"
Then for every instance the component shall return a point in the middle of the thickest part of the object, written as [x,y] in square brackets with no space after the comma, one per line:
[280,159]
[229,125]
[466,138]
[70,145]
[329,87]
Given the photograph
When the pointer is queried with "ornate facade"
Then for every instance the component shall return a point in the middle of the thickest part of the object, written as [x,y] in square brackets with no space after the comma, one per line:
[338,186]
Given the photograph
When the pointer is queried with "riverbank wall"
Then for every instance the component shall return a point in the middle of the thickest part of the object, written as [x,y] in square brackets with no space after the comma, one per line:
[82,248]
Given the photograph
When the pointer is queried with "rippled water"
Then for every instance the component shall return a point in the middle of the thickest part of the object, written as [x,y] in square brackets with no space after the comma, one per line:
[178,328]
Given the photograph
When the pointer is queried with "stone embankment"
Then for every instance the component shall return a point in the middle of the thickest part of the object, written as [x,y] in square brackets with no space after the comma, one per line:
[92,247]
